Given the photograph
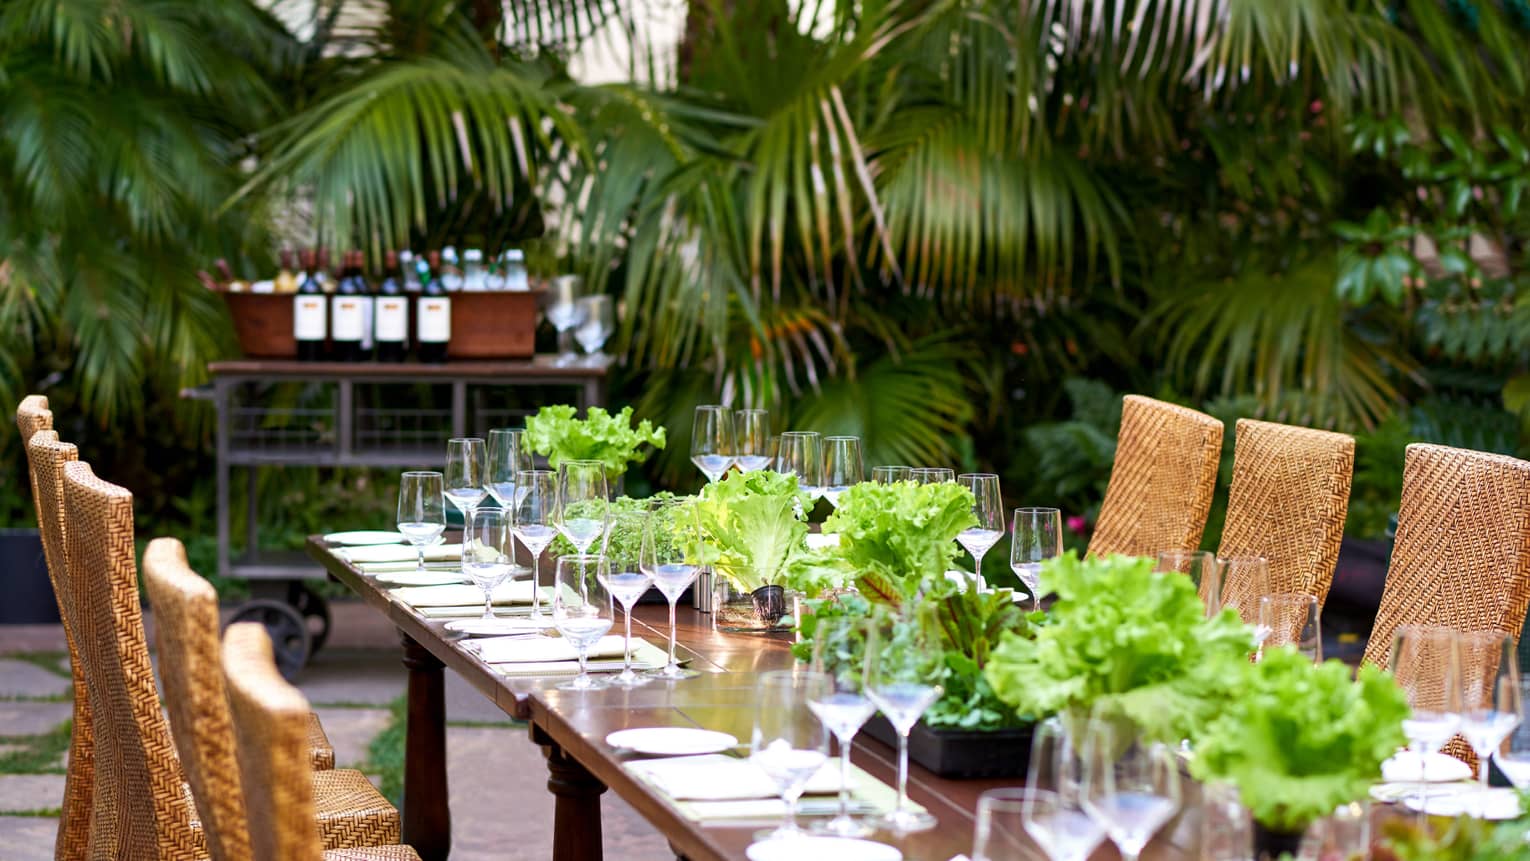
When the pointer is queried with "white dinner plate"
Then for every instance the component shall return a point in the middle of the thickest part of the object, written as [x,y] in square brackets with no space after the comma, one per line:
[814,848]
[365,537]
[1498,803]
[671,740]
[1403,767]
[498,627]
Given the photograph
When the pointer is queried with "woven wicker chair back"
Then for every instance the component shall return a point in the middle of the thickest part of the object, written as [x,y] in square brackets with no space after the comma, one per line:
[1162,482]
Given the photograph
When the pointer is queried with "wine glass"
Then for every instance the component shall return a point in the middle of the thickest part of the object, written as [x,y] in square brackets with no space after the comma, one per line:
[1059,827]
[788,743]
[1290,619]
[1037,538]
[988,508]
[504,458]
[465,475]
[931,474]
[1244,579]
[890,474]
[798,455]
[536,502]
[663,559]
[1513,753]
[488,546]
[1490,704]
[1130,786]
[565,313]
[844,707]
[421,510]
[1057,821]
[597,323]
[1202,569]
[1227,830]
[751,433]
[626,581]
[899,671]
[582,502]
[1426,662]
[712,448]
[842,466]
[581,611]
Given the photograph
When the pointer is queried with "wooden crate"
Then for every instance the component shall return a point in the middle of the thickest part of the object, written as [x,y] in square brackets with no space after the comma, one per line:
[263,322]
[494,325]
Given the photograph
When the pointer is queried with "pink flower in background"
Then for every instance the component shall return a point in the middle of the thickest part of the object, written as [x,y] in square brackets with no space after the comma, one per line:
[1077,524]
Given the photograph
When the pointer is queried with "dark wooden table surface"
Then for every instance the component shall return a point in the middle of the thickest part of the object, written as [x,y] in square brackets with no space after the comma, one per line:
[571,727]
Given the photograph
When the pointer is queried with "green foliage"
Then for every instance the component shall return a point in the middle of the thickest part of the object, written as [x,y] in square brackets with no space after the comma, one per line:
[968,625]
[624,536]
[1463,839]
[1069,461]
[751,527]
[1127,641]
[557,433]
[1299,740]
[898,537]
[36,754]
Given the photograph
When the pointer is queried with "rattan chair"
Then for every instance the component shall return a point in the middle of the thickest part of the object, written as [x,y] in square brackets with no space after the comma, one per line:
[269,716]
[46,457]
[1289,496]
[1161,485]
[1462,554]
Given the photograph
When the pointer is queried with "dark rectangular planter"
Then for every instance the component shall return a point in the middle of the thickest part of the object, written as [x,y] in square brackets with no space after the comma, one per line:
[28,591]
[961,753]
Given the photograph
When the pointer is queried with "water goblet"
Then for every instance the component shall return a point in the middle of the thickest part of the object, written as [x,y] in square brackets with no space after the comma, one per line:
[1130,786]
[421,510]
[931,474]
[751,435]
[626,581]
[565,313]
[664,560]
[1490,703]
[798,454]
[712,444]
[842,466]
[1244,580]
[988,508]
[597,323]
[582,503]
[534,513]
[1290,619]
[844,707]
[581,611]
[789,743]
[488,546]
[899,681]
[1037,537]
[1202,569]
[1426,663]
[890,474]
[505,456]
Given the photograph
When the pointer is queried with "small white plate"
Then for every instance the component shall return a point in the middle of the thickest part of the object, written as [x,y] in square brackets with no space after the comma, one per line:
[365,537]
[1497,803]
[812,848]
[498,627]
[1403,767]
[671,741]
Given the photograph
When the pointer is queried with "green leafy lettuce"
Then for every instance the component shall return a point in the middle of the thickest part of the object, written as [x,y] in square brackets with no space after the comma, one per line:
[750,527]
[558,434]
[624,537]
[1466,839]
[1299,740]
[899,537]
[1121,638]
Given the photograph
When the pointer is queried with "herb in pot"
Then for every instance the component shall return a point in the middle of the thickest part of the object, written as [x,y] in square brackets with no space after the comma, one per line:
[557,433]
[900,537]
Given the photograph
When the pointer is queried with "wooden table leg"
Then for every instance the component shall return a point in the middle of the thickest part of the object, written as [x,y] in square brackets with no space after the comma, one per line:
[427,820]
[576,817]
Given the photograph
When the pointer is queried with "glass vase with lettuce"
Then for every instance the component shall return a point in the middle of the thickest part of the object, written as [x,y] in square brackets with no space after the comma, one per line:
[557,433]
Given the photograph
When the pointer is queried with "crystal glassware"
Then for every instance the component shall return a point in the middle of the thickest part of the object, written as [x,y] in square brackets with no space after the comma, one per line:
[536,503]
[931,474]
[1056,820]
[1037,537]
[421,510]
[582,503]
[581,611]
[798,454]
[1290,619]
[465,475]
[1513,753]
[890,474]
[1490,703]
[565,313]
[899,681]
[751,436]
[596,325]
[844,707]
[626,581]
[988,508]
[789,743]
[488,546]
[1202,569]
[504,458]
[842,466]
[1426,663]
[664,560]
[1130,786]
[1244,579]
[712,446]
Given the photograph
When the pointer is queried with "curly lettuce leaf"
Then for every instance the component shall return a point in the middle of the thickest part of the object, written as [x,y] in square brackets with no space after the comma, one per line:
[900,536]
[750,527]
[1299,740]
[557,433]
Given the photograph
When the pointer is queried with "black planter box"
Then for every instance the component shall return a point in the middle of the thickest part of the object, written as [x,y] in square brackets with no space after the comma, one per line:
[962,753]
[28,591]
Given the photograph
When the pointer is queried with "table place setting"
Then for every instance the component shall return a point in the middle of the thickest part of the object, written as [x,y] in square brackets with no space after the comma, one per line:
[726,790]
[365,537]
[468,597]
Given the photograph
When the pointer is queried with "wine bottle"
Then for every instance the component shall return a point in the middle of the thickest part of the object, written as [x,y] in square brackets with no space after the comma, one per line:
[310,313]
[348,330]
[449,272]
[392,330]
[433,314]
[231,284]
[515,270]
[472,270]
[286,281]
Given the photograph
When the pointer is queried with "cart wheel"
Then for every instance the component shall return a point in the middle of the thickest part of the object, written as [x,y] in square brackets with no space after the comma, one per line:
[290,640]
[315,610]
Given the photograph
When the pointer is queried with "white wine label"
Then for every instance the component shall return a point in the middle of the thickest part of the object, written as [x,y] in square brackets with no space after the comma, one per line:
[435,320]
[350,319]
[392,320]
[310,317]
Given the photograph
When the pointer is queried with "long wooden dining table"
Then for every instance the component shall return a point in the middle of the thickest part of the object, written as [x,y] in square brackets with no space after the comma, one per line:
[571,727]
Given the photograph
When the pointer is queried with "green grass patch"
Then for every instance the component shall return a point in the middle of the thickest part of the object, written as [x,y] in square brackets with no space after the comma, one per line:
[488,724]
[50,661]
[41,811]
[385,755]
[27,698]
[37,754]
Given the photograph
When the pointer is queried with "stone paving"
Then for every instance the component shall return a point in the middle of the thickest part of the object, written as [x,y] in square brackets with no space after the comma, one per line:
[350,685]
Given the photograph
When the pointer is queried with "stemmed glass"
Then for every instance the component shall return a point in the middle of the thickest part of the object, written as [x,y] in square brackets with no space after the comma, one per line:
[581,611]
[1489,695]
[421,510]
[1054,815]
[465,475]
[582,502]
[788,743]
[1202,569]
[798,455]
[1130,786]
[988,508]
[505,458]
[842,466]
[1426,662]
[536,503]
[663,559]
[627,582]
[1244,579]
[1513,753]
[565,313]
[890,474]
[751,435]
[898,681]
[597,324]
[844,707]
[712,446]
[487,550]
[1290,619]
[931,474]
[1037,538]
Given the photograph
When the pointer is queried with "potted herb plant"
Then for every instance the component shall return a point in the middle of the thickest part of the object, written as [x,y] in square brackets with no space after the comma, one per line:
[557,433]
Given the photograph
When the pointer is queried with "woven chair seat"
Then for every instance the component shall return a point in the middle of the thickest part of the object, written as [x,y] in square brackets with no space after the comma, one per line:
[351,811]
[374,853]
[321,753]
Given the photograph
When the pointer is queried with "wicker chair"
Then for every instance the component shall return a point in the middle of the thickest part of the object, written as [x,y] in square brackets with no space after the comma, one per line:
[1462,554]
[1161,485]
[46,457]
[142,808]
[1289,495]
[269,717]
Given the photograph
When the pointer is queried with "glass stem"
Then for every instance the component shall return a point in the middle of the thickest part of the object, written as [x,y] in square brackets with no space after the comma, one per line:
[791,813]
[536,586]
[1423,783]
[1482,784]
[421,568]
[627,646]
[488,604]
[584,674]
[672,665]
[902,771]
[844,778]
[977,572]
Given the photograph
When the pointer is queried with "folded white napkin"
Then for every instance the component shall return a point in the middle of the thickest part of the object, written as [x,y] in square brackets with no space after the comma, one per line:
[413,578]
[399,553]
[522,650]
[715,777]
[464,595]
[1404,767]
